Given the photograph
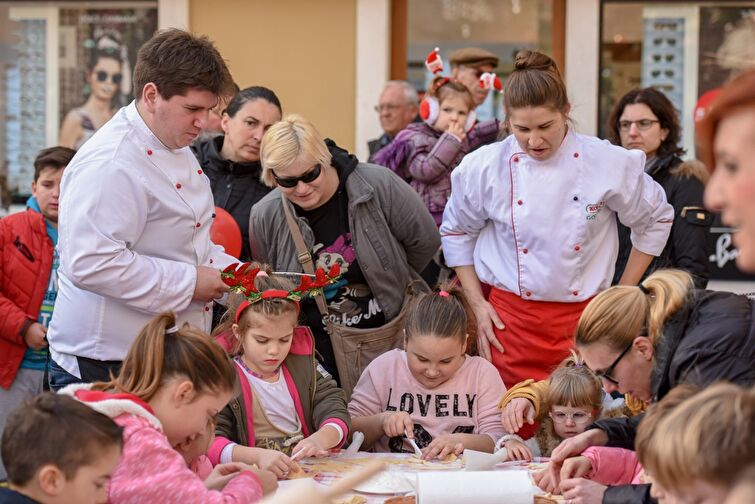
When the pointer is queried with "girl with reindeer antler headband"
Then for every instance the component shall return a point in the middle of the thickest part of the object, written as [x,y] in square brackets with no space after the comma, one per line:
[426,153]
[289,407]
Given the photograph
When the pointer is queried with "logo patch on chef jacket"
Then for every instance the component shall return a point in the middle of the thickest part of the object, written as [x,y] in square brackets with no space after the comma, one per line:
[593,209]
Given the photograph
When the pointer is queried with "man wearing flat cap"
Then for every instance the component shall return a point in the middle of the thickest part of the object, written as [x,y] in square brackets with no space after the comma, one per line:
[468,64]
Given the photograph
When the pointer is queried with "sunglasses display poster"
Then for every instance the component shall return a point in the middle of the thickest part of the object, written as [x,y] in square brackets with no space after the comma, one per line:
[97,53]
[663,57]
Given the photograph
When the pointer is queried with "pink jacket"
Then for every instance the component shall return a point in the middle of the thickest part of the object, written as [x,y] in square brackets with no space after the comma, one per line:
[150,470]
[613,466]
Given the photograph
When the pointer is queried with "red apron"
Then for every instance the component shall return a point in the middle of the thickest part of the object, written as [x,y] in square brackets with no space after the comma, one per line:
[537,337]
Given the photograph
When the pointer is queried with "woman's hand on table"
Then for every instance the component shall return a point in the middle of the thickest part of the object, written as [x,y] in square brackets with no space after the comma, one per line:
[486,319]
[515,413]
[517,450]
[396,423]
[582,491]
[443,446]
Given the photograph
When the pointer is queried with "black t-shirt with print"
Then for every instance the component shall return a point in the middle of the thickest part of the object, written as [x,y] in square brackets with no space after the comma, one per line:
[350,301]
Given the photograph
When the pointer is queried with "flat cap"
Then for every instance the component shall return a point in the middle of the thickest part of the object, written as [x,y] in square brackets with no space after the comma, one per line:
[472,56]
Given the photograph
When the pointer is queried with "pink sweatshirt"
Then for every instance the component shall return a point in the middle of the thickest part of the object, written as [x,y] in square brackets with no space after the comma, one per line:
[613,466]
[150,470]
[466,403]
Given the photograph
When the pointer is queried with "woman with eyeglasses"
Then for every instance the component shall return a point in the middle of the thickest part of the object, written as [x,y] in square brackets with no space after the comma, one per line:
[104,76]
[644,119]
[360,216]
[648,339]
[232,161]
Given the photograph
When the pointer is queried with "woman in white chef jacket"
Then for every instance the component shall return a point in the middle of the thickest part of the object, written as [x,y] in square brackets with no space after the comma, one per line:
[533,216]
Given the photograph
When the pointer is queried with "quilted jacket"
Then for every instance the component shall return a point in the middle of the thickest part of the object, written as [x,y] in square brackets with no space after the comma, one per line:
[26,253]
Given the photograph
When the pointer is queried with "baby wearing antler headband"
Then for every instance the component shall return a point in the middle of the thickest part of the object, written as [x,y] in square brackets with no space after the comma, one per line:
[425,154]
[289,407]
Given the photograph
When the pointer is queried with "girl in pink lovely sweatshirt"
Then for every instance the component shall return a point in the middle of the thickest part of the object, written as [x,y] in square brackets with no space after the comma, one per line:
[172,384]
[432,392]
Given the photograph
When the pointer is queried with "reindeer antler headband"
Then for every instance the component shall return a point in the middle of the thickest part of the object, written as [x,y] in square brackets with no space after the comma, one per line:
[434,64]
[240,278]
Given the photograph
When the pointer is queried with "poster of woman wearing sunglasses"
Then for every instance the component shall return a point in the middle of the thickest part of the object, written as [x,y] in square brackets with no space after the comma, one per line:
[106,41]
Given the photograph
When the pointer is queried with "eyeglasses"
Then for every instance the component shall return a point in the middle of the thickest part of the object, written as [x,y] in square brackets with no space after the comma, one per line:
[667,73]
[668,88]
[387,107]
[659,40]
[667,57]
[661,26]
[578,417]
[289,182]
[642,124]
[609,370]
[102,76]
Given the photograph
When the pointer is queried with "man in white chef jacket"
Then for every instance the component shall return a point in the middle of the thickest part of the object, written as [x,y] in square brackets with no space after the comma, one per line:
[135,215]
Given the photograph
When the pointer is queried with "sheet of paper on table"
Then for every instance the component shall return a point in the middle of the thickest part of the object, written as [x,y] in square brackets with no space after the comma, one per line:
[483,487]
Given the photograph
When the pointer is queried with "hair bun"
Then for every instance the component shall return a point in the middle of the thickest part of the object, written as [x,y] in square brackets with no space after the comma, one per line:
[533,60]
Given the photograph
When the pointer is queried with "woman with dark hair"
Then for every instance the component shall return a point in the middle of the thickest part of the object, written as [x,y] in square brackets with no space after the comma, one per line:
[104,76]
[232,161]
[645,119]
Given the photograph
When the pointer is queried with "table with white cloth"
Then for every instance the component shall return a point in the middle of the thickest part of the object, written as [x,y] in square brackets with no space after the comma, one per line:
[405,475]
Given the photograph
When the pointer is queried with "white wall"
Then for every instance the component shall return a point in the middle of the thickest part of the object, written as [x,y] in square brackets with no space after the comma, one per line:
[373,38]
[173,14]
[582,62]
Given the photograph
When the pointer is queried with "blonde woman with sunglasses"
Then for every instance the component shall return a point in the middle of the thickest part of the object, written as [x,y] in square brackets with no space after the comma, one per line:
[646,340]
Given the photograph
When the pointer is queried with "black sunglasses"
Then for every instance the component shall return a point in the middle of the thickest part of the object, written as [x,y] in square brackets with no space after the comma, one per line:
[102,76]
[609,371]
[289,182]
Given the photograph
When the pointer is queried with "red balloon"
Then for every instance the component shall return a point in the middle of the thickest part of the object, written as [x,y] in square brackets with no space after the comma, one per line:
[704,102]
[226,233]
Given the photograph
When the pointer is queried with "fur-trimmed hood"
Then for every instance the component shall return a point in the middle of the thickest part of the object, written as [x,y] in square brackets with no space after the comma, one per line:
[112,404]
[691,168]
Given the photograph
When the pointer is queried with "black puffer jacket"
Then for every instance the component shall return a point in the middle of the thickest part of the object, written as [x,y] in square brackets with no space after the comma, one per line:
[687,246]
[235,186]
[711,338]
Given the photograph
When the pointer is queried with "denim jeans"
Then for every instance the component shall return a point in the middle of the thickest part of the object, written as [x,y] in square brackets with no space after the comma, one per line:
[91,371]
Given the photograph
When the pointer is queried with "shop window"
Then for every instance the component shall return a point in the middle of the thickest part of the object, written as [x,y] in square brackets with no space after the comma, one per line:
[688,50]
[65,68]
[684,49]
[503,27]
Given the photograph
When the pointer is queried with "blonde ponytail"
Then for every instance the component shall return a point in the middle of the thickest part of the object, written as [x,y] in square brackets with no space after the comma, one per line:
[669,290]
[619,314]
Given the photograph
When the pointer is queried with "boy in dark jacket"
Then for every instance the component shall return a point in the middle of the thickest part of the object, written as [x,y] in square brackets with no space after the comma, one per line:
[59,451]
[28,284]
